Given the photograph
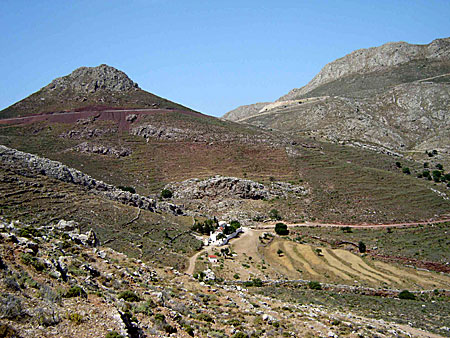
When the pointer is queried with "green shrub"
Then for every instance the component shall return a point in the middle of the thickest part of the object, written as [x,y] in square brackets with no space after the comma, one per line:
[75,291]
[405,294]
[406,170]
[166,193]
[274,214]
[240,335]
[313,285]
[398,164]
[281,229]
[257,282]
[129,296]
[347,230]
[75,317]
[129,189]
[189,330]
[113,334]
[29,232]
[33,261]
[279,252]
[236,276]
[439,166]
[205,318]
[146,308]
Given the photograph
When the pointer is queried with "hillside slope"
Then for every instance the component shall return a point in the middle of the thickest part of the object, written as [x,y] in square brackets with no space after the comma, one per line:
[147,150]
[88,88]
[395,96]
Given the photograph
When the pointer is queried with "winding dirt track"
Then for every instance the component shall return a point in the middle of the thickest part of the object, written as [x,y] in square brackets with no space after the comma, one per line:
[341,225]
[192,260]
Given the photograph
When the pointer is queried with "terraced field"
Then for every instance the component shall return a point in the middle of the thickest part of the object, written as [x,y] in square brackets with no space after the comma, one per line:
[302,261]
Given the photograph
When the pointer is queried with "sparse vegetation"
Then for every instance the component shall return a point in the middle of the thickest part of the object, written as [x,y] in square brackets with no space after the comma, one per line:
[75,291]
[113,334]
[129,296]
[275,214]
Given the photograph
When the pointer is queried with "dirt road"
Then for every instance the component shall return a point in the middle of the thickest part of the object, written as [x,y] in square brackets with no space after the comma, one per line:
[271,225]
[192,260]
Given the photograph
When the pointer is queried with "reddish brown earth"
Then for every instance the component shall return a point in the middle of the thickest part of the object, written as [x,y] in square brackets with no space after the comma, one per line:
[99,112]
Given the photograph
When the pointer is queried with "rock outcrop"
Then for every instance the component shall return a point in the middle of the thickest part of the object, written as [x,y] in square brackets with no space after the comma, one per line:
[220,187]
[245,111]
[41,166]
[100,149]
[91,79]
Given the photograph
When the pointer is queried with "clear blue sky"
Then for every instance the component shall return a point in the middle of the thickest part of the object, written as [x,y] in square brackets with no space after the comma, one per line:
[209,55]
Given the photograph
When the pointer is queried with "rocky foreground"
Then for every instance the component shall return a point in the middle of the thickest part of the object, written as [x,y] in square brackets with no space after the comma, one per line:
[57,282]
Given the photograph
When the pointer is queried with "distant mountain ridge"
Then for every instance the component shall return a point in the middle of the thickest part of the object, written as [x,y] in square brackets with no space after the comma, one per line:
[364,61]
[395,96]
[101,86]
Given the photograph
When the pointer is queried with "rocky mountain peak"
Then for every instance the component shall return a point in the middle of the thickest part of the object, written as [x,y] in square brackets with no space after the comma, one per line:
[363,61]
[92,79]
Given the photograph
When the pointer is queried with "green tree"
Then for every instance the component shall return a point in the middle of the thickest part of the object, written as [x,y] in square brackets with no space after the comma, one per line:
[166,193]
[405,294]
[281,229]
[313,285]
[362,247]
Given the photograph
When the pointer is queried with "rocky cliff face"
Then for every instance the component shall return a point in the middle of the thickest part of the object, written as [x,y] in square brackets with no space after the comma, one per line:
[364,61]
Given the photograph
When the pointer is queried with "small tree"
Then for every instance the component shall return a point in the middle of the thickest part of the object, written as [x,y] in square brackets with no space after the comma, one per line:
[129,189]
[347,229]
[436,175]
[362,247]
[405,294]
[426,164]
[313,285]
[166,193]
[406,171]
[439,166]
[274,214]
[281,229]
[398,164]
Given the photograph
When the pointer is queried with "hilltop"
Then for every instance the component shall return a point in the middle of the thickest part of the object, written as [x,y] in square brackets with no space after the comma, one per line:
[88,88]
